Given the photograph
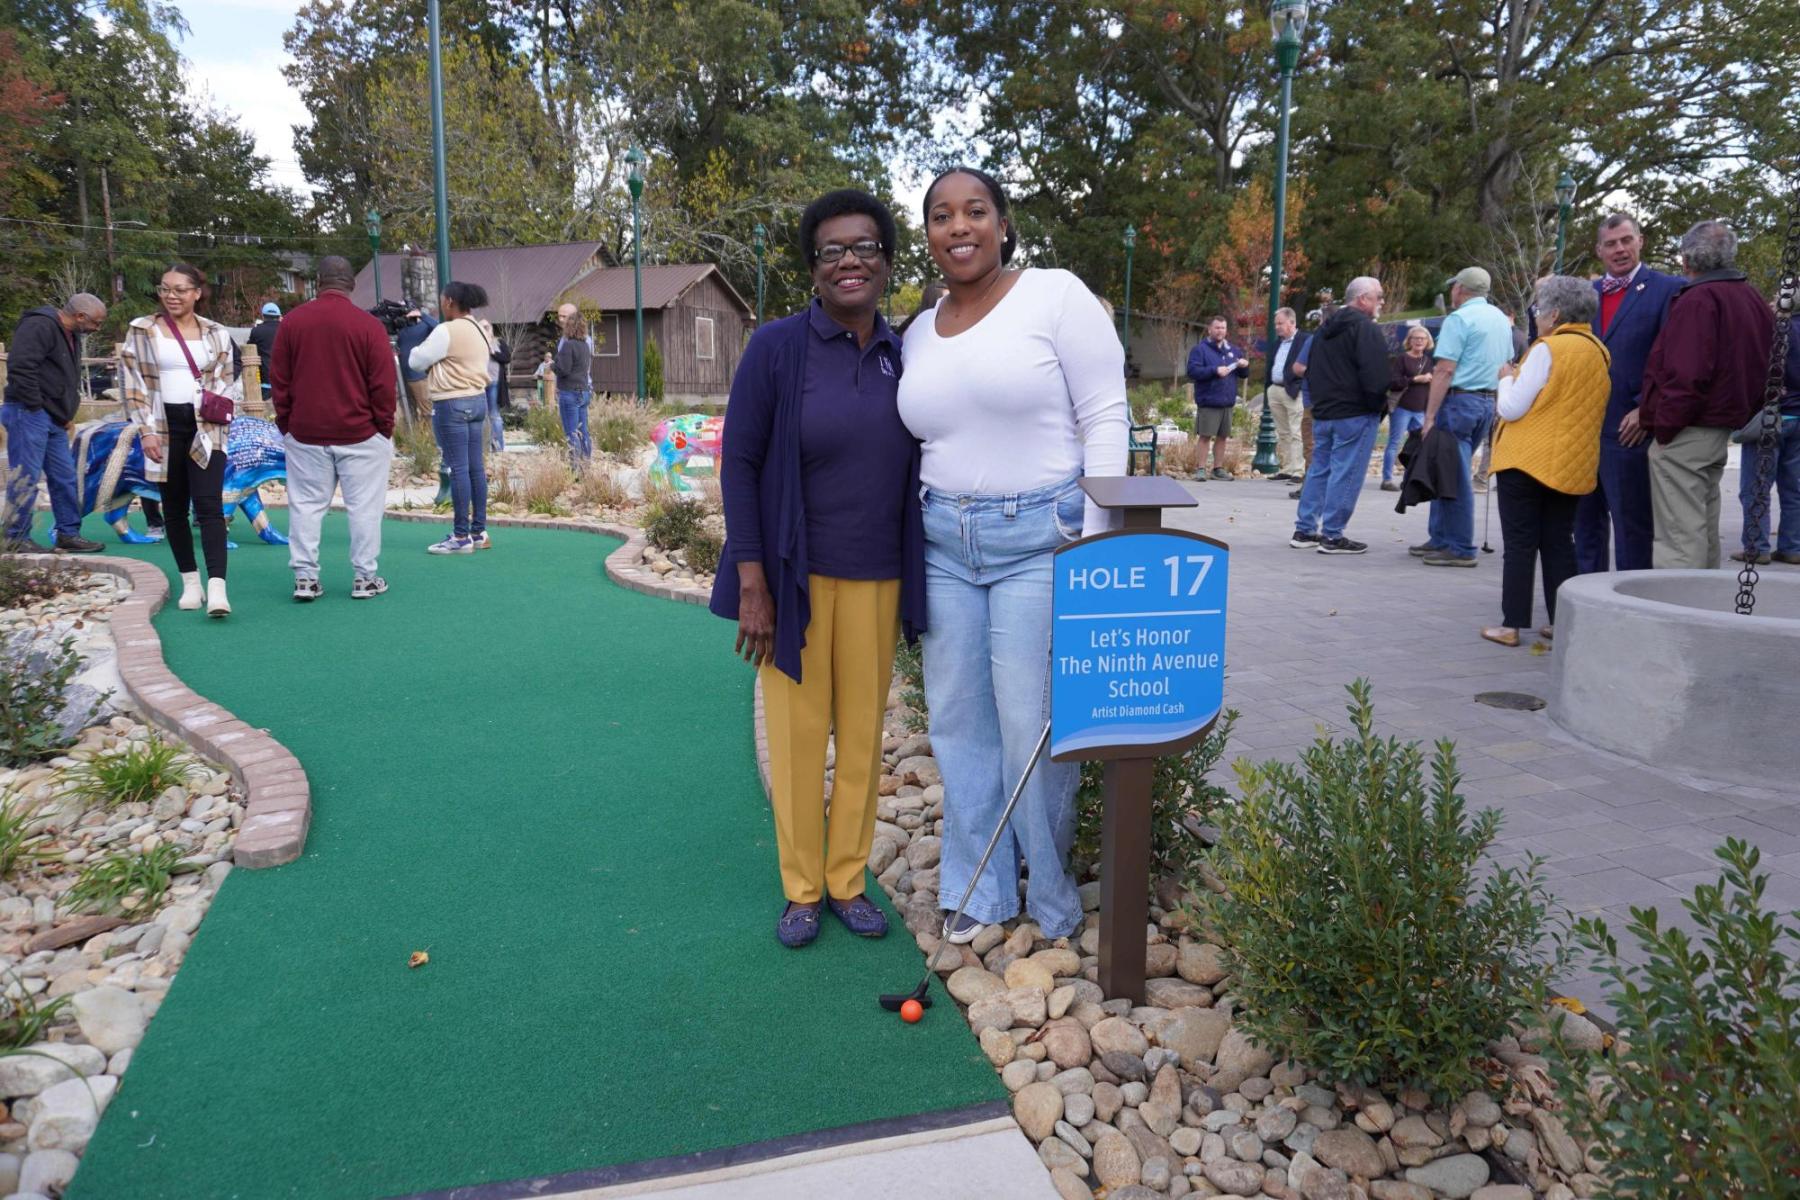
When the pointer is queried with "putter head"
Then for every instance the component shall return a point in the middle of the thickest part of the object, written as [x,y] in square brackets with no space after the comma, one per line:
[893,1002]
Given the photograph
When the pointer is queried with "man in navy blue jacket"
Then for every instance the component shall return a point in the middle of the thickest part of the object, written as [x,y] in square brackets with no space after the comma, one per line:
[1215,366]
[1634,300]
[43,386]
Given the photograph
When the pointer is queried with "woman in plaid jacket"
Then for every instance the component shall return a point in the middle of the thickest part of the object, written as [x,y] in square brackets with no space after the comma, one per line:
[183,455]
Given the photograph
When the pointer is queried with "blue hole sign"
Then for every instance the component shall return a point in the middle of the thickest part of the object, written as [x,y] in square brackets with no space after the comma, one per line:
[1137,643]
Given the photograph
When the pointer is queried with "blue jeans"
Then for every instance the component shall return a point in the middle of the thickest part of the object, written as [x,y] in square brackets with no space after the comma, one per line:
[987,684]
[1452,524]
[38,447]
[573,408]
[1787,484]
[1401,422]
[496,427]
[1334,477]
[458,425]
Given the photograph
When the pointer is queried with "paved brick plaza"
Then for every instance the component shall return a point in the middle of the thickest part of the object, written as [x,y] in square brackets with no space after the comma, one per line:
[1304,624]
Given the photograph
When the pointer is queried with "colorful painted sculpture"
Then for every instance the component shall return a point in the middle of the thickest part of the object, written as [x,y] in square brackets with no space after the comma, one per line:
[687,449]
[109,471]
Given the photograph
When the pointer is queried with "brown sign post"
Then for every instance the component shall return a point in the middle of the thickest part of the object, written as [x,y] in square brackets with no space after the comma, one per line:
[1169,619]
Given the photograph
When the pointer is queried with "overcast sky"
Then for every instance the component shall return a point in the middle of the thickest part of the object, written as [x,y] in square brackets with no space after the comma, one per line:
[235,57]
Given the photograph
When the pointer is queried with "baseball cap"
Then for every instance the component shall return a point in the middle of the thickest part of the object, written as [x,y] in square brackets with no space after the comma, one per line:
[271,309]
[1471,279]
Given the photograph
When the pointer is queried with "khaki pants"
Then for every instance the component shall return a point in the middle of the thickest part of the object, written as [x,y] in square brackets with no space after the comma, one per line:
[1288,412]
[1684,497]
[421,399]
[845,669]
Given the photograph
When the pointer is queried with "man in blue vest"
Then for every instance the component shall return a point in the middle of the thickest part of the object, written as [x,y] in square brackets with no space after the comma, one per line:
[1634,300]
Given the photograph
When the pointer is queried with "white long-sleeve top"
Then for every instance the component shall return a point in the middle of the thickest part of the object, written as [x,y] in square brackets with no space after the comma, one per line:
[1033,393]
[1516,395]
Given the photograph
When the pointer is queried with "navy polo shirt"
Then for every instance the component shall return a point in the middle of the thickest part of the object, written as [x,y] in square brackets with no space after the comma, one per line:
[854,451]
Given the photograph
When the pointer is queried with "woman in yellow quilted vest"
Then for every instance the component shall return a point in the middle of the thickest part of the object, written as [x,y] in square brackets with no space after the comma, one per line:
[1547,450]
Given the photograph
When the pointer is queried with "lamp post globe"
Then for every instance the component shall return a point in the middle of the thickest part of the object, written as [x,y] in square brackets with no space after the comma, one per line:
[373,223]
[635,181]
[760,244]
[1287,26]
[1565,197]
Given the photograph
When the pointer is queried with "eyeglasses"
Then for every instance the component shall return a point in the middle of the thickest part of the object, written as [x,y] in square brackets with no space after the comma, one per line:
[163,289]
[831,252]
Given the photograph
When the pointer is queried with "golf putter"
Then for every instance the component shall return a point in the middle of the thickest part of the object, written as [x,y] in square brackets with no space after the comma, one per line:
[892,1002]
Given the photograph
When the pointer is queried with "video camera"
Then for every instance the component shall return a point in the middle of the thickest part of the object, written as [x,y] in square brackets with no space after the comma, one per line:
[393,315]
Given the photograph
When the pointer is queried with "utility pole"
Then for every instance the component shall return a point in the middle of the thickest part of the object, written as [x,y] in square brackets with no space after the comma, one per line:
[440,184]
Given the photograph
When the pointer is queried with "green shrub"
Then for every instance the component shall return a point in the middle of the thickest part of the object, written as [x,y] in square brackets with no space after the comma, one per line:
[671,523]
[22,582]
[1181,796]
[910,662]
[131,883]
[703,549]
[20,845]
[140,774]
[1698,1096]
[32,700]
[24,1020]
[653,371]
[1355,919]
[544,425]
[416,446]
[620,427]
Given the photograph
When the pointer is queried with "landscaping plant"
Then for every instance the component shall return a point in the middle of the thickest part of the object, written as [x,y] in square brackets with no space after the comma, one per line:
[543,422]
[703,550]
[910,663]
[1181,796]
[23,1019]
[23,582]
[31,701]
[416,447]
[671,522]
[1700,1094]
[542,484]
[131,883]
[137,775]
[620,427]
[653,371]
[20,844]
[1368,938]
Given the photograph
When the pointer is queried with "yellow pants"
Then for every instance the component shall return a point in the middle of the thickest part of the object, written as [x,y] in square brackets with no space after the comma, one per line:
[845,671]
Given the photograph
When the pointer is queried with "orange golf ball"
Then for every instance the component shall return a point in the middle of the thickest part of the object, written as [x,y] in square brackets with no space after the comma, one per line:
[911,1011]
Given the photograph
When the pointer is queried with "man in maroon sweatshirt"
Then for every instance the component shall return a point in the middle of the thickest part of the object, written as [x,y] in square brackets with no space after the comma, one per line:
[1704,378]
[333,377]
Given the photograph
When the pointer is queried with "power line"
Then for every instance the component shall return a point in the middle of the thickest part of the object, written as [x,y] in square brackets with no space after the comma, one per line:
[229,238]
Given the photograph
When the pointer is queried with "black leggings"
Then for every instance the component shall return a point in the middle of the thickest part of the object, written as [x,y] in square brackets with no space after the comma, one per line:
[190,482]
[1537,522]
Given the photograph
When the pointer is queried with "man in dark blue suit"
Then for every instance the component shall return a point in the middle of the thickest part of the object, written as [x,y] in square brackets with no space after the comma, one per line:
[1633,302]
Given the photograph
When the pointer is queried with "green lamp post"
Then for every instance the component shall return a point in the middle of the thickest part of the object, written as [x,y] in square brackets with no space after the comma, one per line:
[1287,20]
[1130,244]
[440,183]
[635,181]
[374,226]
[761,244]
[1565,198]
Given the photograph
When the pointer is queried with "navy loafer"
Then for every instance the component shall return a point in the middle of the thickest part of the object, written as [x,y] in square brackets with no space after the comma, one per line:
[799,925]
[860,917]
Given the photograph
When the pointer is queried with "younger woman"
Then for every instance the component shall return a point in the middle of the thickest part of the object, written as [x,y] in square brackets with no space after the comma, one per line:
[455,359]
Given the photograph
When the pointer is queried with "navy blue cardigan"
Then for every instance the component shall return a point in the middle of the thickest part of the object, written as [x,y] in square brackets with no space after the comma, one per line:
[765,501]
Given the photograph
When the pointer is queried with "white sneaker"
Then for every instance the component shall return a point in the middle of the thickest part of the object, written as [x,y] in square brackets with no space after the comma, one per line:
[190,590]
[216,603]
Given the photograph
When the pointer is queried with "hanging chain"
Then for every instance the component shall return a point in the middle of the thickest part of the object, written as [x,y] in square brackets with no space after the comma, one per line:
[1769,435]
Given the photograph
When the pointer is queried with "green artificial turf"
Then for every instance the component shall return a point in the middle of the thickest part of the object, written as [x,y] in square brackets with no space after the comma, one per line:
[547,783]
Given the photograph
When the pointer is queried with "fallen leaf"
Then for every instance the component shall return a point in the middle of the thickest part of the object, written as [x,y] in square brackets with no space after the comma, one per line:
[1570,1003]
[1332,613]
[1540,648]
[419,958]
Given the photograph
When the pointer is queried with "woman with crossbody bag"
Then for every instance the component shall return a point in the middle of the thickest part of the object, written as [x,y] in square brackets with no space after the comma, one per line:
[176,373]
[455,360]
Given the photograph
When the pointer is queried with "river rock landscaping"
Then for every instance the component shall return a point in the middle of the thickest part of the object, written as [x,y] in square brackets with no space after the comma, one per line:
[1171,1098]
[101,892]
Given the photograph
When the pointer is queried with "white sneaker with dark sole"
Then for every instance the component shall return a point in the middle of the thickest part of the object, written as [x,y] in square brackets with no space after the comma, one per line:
[366,587]
[307,590]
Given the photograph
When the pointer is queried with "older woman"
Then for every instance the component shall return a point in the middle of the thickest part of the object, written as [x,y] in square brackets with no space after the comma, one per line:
[1547,449]
[1409,389]
[455,360]
[169,358]
[824,556]
[1015,384]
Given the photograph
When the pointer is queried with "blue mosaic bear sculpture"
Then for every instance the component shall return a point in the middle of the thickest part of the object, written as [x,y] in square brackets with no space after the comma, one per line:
[109,466]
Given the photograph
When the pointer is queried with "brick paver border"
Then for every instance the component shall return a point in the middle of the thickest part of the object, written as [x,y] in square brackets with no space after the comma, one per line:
[277,799]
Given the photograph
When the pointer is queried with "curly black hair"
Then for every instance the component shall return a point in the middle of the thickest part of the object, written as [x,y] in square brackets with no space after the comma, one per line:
[842,203]
[466,296]
[1002,207]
